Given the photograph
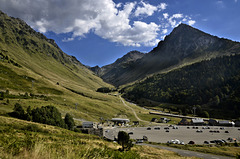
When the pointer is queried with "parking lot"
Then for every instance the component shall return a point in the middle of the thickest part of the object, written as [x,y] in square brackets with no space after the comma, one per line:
[198,134]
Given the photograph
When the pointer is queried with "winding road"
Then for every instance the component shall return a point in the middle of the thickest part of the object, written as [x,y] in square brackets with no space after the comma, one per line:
[135,114]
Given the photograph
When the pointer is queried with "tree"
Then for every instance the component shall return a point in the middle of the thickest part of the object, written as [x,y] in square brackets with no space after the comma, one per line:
[1,95]
[29,114]
[124,140]
[18,111]
[69,121]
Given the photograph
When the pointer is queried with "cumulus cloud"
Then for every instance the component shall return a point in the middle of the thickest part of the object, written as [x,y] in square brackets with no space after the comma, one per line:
[105,18]
[148,9]
[116,22]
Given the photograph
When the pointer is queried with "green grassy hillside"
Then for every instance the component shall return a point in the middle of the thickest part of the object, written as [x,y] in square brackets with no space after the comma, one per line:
[23,139]
[35,72]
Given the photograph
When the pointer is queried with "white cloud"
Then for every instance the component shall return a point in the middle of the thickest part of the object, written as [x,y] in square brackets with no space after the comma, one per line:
[172,20]
[105,18]
[191,22]
[164,31]
[116,22]
[165,15]
[148,9]
[235,1]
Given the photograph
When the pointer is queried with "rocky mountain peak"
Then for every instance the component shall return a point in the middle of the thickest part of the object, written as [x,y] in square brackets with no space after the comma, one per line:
[130,56]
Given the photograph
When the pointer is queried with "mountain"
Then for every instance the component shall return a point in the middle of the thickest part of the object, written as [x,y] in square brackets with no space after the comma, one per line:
[35,71]
[213,86]
[185,45]
[110,72]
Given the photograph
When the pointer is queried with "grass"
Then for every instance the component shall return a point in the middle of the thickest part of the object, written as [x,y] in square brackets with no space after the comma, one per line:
[225,150]
[23,139]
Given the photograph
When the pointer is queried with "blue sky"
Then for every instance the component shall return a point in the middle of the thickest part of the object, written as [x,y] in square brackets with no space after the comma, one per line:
[98,32]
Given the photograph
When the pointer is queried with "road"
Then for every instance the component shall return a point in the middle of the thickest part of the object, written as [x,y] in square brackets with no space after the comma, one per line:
[134,112]
[189,153]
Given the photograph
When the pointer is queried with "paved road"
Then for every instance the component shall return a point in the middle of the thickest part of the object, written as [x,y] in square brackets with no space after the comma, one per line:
[189,153]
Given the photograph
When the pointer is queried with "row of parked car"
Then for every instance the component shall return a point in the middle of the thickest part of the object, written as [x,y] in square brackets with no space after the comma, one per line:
[219,141]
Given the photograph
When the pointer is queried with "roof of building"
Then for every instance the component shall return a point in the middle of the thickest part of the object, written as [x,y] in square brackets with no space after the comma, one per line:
[197,120]
[120,120]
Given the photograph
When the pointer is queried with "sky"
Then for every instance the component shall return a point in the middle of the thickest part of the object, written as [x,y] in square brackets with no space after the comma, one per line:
[97,32]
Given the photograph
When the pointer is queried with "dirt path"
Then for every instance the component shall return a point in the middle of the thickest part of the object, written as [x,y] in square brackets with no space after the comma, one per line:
[134,112]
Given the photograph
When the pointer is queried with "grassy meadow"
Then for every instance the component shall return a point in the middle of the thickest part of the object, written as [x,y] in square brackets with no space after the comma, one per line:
[23,139]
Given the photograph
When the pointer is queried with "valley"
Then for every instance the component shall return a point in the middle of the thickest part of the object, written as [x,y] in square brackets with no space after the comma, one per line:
[188,70]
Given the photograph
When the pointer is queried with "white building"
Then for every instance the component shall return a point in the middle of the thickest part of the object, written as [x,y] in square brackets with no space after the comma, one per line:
[197,121]
[88,124]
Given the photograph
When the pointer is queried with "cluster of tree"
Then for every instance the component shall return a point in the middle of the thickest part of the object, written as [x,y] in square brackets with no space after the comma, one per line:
[45,115]
[105,90]
[214,84]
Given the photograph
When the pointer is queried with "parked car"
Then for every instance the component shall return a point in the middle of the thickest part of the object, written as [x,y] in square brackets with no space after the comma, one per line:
[167,130]
[206,142]
[199,131]
[226,131]
[157,128]
[139,141]
[230,139]
[221,128]
[148,128]
[191,142]
[145,138]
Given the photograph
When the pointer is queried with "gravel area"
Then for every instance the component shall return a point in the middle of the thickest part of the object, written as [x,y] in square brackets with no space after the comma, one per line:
[182,133]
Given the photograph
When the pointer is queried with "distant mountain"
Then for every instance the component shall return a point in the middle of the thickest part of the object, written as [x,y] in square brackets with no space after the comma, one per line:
[110,72]
[185,45]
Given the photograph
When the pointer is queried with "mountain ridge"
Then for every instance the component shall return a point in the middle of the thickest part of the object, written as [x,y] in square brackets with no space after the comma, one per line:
[183,45]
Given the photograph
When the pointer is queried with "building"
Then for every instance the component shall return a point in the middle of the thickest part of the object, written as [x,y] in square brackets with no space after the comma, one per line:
[197,121]
[184,121]
[135,122]
[237,123]
[88,124]
[212,122]
[120,121]
[154,120]
[225,123]
[164,120]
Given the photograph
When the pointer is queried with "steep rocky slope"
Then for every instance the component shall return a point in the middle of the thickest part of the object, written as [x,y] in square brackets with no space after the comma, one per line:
[185,45]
